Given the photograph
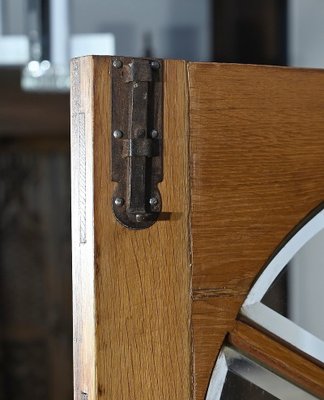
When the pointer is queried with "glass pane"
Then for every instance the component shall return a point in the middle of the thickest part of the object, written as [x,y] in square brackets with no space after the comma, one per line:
[288,297]
[237,377]
[277,296]
[237,388]
[298,292]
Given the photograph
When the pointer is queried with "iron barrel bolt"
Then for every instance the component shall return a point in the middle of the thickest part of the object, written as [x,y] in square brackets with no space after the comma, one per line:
[137,142]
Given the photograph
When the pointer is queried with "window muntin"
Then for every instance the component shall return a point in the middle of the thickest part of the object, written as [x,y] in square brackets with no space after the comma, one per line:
[257,380]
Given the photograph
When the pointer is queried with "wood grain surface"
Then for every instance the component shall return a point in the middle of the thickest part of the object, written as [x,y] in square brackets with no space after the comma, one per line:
[257,169]
[279,358]
[136,284]
[212,318]
[83,266]
[152,308]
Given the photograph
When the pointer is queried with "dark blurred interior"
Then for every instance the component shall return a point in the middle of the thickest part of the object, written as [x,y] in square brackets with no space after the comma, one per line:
[35,248]
[250,32]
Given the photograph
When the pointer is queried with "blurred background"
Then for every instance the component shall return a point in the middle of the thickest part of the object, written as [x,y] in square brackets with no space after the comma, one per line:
[37,39]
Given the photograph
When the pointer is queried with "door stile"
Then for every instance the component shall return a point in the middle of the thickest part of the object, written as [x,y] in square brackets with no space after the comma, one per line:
[132,288]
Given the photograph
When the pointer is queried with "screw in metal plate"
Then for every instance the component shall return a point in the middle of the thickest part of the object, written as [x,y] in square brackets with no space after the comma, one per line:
[154,134]
[119,201]
[117,64]
[154,201]
[155,65]
[139,218]
[118,134]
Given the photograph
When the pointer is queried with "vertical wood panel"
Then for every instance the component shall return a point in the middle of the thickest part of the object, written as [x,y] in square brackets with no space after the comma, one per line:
[142,304]
[212,318]
[83,274]
[257,168]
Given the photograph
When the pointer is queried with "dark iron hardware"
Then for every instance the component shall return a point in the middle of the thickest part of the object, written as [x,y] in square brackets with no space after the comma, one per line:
[136,140]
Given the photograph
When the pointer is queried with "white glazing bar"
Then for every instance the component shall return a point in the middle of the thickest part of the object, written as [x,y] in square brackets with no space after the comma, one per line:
[263,378]
[287,330]
[231,360]
[217,381]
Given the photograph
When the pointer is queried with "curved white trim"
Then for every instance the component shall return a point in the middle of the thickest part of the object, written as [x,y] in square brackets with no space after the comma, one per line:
[217,381]
[231,360]
[278,263]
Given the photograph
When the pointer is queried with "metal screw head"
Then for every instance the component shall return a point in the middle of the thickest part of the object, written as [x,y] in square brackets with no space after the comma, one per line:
[117,64]
[119,201]
[118,134]
[154,134]
[155,65]
[154,201]
[139,217]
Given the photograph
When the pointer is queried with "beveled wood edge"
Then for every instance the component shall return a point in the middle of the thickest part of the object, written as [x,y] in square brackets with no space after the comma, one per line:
[278,358]
[84,351]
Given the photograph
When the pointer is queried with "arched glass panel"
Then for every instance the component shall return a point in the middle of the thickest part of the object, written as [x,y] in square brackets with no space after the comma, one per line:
[237,377]
[288,298]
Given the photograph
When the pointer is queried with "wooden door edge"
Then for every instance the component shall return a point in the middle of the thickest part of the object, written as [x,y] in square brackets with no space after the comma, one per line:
[83,271]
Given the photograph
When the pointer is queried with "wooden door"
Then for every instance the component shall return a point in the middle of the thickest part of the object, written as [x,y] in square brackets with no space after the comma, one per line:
[243,171]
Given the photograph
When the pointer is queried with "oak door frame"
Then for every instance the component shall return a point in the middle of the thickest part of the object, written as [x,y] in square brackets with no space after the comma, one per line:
[152,308]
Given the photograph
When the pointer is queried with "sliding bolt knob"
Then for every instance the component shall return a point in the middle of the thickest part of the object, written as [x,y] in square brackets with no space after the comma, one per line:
[154,134]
